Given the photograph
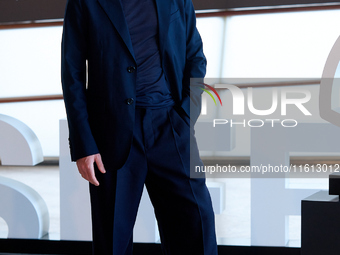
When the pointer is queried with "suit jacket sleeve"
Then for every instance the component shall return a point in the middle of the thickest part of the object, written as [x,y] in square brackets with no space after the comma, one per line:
[73,76]
[195,66]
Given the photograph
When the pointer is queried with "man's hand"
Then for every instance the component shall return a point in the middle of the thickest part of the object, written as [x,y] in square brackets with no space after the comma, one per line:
[86,167]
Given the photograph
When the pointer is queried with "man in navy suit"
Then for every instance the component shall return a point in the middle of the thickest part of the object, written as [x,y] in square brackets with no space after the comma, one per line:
[126,69]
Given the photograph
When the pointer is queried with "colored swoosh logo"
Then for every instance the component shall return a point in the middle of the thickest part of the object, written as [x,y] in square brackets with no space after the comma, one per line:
[213,90]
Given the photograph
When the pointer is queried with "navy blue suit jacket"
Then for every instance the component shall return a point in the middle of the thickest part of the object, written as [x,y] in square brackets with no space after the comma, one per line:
[99,72]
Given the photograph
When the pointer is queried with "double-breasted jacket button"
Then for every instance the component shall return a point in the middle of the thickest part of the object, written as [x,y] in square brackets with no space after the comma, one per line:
[131,69]
[129,101]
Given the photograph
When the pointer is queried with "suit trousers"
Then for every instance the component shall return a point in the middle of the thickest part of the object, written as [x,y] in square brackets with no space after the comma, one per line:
[160,159]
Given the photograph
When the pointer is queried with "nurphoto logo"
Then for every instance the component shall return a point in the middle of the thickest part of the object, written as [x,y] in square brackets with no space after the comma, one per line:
[213,90]
[243,104]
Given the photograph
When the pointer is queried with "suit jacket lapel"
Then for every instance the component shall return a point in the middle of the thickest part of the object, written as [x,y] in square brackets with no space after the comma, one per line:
[163,12]
[114,11]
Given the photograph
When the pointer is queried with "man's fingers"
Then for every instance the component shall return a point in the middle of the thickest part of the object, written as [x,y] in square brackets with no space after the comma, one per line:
[92,178]
[87,172]
[100,164]
[86,168]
